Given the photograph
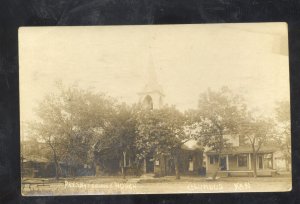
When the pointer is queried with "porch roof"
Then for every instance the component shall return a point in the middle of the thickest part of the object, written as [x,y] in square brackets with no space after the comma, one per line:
[246,149]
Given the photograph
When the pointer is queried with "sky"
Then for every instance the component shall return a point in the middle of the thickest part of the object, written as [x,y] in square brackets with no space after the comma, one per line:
[251,59]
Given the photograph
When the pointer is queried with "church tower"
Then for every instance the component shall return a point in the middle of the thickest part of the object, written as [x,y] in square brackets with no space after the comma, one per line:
[151,97]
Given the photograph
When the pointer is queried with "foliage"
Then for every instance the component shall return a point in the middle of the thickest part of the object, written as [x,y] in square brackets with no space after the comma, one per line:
[159,130]
[283,121]
[77,124]
[71,121]
[117,140]
[219,114]
[283,111]
[258,132]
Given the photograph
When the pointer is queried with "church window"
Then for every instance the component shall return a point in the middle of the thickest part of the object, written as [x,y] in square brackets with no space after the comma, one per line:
[148,103]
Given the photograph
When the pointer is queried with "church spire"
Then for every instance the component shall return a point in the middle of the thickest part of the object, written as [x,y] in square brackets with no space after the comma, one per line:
[152,84]
[152,77]
[152,94]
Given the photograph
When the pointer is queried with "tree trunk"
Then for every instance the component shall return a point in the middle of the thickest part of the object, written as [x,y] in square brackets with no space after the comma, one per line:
[56,168]
[176,163]
[254,164]
[124,165]
[214,176]
[177,173]
[57,172]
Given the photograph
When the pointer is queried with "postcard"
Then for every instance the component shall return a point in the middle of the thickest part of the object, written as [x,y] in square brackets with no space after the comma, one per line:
[154,109]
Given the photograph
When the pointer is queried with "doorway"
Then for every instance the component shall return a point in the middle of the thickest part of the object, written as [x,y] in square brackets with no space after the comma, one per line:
[170,170]
[223,163]
[149,165]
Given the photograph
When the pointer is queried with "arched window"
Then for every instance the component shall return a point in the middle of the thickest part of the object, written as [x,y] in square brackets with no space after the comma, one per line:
[148,103]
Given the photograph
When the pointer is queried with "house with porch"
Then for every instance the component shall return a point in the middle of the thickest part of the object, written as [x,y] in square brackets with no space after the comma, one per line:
[239,160]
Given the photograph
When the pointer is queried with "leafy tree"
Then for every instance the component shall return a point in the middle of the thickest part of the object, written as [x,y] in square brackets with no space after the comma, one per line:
[257,132]
[283,121]
[160,132]
[117,140]
[219,113]
[70,122]
[283,112]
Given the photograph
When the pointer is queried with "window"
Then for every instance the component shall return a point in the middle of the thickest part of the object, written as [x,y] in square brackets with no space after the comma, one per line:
[213,159]
[242,160]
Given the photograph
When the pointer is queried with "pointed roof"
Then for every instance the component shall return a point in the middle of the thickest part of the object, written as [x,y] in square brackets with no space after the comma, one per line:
[152,84]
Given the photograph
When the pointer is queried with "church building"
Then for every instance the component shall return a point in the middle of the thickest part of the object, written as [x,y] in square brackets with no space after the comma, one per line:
[191,154]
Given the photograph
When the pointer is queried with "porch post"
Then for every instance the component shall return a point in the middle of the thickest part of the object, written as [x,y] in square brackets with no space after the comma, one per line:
[145,166]
[227,163]
[207,160]
[250,161]
[272,160]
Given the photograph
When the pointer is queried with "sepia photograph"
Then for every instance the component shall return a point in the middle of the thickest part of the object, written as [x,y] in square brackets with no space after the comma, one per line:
[154,109]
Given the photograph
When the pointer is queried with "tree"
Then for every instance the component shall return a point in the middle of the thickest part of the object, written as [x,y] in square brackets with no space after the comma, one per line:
[160,132]
[218,114]
[283,120]
[70,121]
[117,140]
[258,132]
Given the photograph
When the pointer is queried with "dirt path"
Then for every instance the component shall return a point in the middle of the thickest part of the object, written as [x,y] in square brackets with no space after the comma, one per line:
[99,186]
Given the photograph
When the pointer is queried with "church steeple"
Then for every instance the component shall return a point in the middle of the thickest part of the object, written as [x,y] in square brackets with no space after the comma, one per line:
[152,95]
[152,78]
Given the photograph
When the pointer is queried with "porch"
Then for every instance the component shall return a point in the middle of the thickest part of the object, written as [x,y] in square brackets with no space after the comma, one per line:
[241,164]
